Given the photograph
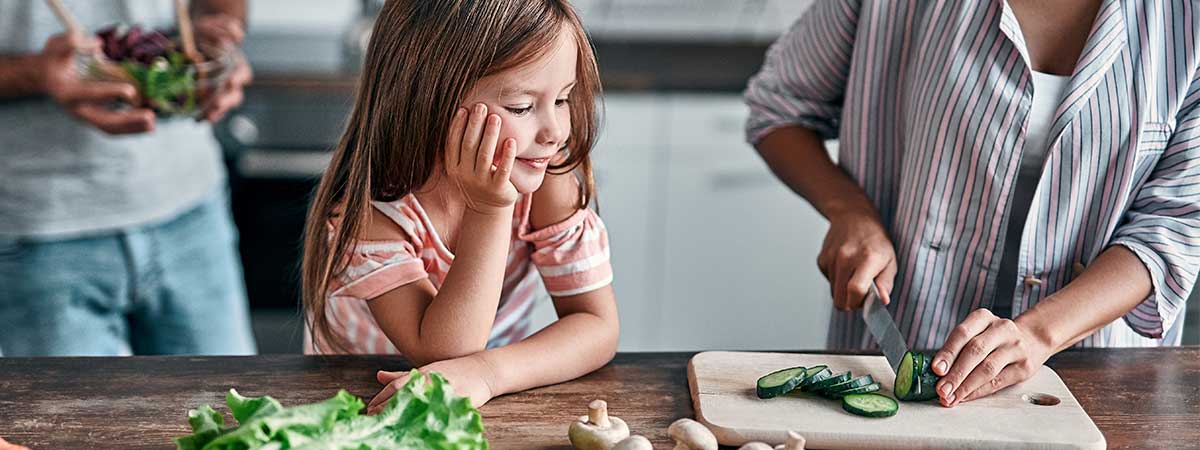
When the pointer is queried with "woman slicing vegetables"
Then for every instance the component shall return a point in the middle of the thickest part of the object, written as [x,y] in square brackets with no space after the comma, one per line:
[1017,177]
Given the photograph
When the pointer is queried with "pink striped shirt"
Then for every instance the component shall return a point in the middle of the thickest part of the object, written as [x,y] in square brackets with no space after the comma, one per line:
[568,258]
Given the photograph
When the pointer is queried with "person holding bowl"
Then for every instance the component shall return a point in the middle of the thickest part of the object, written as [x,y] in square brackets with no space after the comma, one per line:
[115,230]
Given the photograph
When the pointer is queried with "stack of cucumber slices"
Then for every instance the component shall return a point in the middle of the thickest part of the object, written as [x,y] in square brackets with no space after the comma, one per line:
[856,393]
[915,381]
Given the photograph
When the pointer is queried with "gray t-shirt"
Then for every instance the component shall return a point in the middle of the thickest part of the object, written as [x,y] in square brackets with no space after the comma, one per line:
[60,177]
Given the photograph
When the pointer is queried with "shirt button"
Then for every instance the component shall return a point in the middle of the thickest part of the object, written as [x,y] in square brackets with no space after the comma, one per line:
[1031,281]
[1077,269]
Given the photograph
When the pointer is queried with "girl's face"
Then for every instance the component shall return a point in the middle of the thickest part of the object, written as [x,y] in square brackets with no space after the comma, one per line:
[531,101]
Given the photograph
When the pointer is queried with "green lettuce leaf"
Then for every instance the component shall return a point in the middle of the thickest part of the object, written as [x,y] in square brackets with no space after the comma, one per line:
[424,414]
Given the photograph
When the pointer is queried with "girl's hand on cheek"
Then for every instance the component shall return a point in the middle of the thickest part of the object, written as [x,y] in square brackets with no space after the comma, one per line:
[478,166]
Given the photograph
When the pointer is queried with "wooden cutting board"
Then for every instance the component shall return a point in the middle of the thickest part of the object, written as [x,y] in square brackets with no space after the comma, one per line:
[722,385]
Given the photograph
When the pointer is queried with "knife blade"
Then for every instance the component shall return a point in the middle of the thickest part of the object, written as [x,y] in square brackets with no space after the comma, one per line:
[883,328]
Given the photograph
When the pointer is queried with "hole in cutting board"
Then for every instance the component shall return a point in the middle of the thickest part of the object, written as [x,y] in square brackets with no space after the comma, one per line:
[1041,399]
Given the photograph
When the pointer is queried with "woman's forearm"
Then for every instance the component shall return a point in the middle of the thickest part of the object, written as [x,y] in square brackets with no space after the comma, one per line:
[798,157]
[1113,285]
[459,319]
[569,348]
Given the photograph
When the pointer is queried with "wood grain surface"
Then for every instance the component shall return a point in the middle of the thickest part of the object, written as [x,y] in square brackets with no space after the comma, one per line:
[1139,398]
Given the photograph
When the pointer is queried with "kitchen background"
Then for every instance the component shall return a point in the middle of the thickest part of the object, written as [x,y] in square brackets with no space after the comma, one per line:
[710,250]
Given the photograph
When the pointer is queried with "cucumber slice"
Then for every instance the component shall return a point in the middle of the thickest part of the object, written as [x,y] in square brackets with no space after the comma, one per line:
[815,374]
[918,366]
[832,380]
[870,405]
[846,385]
[915,380]
[858,390]
[904,377]
[927,380]
[780,382]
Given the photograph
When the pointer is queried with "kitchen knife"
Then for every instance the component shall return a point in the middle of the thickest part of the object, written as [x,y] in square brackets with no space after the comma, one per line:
[880,322]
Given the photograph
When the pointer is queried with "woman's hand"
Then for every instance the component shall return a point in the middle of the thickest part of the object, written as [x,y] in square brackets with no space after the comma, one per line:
[89,100]
[470,376]
[225,32]
[476,165]
[856,253]
[984,354]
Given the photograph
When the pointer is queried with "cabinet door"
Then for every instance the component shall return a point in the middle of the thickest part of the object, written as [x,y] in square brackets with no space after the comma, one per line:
[740,254]
[626,159]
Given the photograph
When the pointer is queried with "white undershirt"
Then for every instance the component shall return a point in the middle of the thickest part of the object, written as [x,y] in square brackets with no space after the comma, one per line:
[1048,91]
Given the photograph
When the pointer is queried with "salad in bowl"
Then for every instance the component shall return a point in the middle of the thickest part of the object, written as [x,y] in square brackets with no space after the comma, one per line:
[168,81]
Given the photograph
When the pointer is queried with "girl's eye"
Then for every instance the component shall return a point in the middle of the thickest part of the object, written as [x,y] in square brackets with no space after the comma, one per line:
[562,102]
[519,111]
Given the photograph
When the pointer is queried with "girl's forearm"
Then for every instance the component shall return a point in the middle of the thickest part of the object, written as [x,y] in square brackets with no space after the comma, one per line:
[569,348]
[1111,287]
[458,321]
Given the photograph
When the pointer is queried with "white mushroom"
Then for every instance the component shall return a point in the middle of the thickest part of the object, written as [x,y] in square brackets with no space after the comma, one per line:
[634,443]
[691,435]
[756,446]
[794,442]
[597,431]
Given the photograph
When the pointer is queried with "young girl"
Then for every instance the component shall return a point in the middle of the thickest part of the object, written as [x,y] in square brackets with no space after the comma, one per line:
[464,167]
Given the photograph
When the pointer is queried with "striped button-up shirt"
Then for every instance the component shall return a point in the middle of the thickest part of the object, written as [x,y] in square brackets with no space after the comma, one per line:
[930,103]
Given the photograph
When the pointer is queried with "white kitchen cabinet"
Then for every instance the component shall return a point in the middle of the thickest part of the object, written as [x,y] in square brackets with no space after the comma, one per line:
[740,252]
[627,159]
[709,249]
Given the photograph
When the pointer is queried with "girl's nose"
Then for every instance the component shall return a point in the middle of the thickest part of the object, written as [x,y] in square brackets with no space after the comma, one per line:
[552,132]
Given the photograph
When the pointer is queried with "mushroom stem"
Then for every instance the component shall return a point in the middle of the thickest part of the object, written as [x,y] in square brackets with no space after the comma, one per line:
[598,413]
[794,442]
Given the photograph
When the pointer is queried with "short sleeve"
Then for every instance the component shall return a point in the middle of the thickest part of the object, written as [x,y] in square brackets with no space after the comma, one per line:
[377,267]
[572,256]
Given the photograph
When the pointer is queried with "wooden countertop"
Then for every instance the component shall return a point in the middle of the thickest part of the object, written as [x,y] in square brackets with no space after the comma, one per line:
[1139,398]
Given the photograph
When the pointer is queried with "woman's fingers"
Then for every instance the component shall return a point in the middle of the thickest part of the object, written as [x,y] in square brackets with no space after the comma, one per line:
[823,264]
[487,145]
[969,358]
[115,122]
[841,276]
[865,268]
[99,92]
[1010,375]
[986,371]
[975,323]
[886,280]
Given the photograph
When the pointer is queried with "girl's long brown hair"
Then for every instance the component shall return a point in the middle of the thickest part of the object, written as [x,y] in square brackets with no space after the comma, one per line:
[423,58]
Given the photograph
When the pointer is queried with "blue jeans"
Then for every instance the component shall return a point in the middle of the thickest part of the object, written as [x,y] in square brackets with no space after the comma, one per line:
[169,288]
